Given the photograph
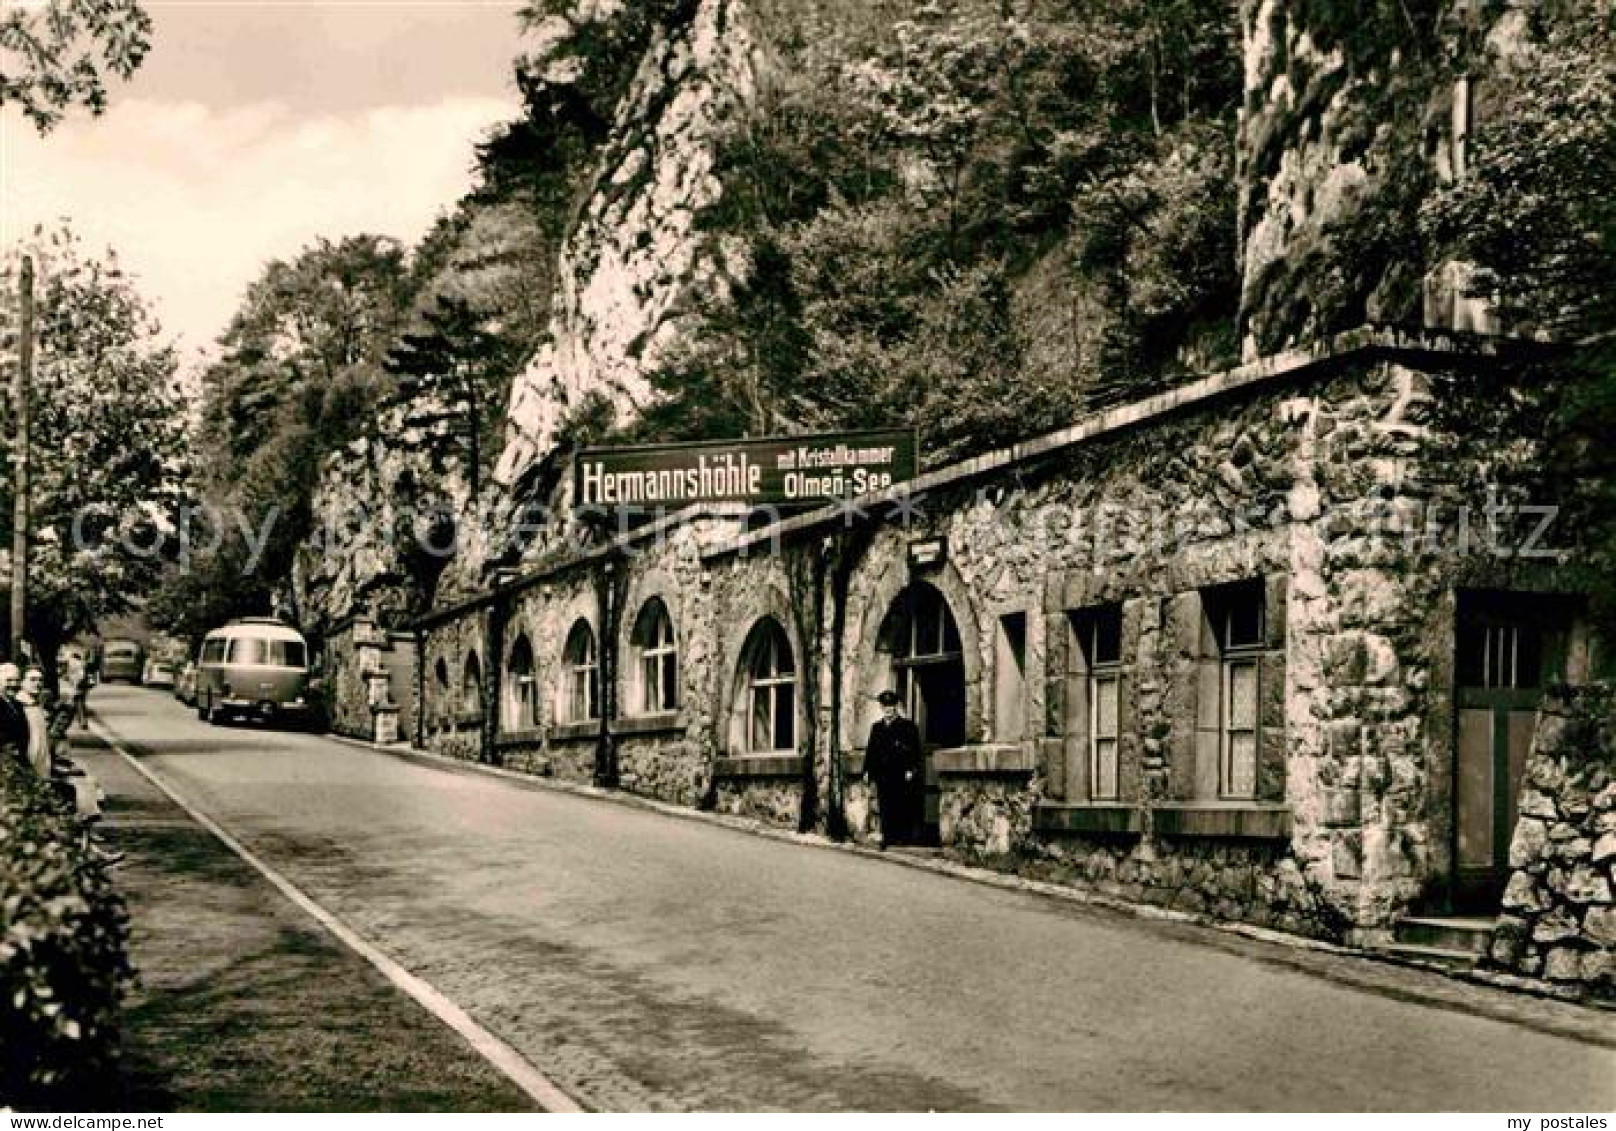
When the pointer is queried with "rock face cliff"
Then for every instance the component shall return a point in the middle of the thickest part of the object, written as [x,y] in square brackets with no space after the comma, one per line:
[634,269]
[384,504]
[1354,113]
[383,521]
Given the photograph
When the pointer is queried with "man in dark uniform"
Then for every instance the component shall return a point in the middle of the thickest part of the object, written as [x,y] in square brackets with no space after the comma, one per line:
[894,760]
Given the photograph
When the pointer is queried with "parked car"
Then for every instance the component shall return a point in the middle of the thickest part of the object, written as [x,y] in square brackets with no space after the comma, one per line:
[122,660]
[255,666]
[185,683]
[158,673]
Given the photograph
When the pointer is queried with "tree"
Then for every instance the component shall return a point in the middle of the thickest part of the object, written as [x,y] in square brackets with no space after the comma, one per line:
[1535,208]
[299,376]
[57,55]
[454,358]
[108,441]
[1535,212]
[959,206]
[934,86]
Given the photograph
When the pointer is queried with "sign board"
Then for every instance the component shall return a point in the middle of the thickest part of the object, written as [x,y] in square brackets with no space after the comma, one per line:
[779,471]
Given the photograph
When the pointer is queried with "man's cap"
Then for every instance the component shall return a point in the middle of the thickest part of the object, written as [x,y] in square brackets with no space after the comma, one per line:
[887,698]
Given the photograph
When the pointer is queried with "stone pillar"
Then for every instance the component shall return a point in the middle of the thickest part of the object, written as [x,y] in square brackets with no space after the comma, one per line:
[369,642]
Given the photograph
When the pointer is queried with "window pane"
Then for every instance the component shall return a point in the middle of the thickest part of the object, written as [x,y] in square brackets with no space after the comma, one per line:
[649,689]
[928,629]
[246,650]
[1105,705]
[1240,775]
[1528,666]
[670,684]
[1245,625]
[762,731]
[1242,696]
[1472,648]
[785,718]
[1103,774]
[1107,635]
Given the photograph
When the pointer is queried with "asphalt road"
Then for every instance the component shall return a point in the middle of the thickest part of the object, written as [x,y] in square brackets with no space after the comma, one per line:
[647,962]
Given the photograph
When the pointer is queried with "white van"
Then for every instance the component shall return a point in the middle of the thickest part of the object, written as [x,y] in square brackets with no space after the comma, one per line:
[255,667]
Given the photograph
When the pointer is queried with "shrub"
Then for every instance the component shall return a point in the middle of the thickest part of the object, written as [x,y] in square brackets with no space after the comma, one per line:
[64,966]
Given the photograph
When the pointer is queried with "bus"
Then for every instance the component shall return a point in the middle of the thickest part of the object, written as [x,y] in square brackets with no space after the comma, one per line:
[256,667]
[122,660]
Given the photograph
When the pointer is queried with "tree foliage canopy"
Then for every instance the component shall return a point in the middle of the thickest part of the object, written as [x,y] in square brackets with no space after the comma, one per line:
[58,54]
[976,213]
[1535,212]
[107,439]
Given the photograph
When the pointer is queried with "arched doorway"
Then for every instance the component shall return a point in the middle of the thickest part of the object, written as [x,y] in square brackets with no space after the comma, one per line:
[920,642]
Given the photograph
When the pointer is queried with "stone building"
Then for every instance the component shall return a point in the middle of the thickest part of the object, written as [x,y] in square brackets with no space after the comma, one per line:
[1267,646]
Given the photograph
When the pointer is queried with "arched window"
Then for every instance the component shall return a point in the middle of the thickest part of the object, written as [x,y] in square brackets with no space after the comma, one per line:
[769,689]
[928,663]
[521,705]
[580,683]
[445,693]
[656,657]
[471,685]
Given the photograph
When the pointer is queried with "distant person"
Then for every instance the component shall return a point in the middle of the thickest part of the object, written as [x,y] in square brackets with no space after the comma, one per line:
[13,720]
[76,691]
[78,790]
[32,697]
[896,763]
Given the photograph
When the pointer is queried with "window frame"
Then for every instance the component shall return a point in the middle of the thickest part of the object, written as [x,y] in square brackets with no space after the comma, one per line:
[656,659]
[767,686]
[1099,624]
[909,659]
[581,674]
[471,685]
[1235,657]
[521,701]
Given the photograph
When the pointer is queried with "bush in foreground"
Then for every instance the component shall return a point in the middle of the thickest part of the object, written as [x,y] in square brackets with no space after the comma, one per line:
[64,963]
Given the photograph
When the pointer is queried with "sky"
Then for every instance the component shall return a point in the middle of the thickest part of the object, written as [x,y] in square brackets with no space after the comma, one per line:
[253,128]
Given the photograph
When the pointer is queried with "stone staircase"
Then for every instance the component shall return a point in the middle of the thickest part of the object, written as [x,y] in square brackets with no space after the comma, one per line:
[1457,942]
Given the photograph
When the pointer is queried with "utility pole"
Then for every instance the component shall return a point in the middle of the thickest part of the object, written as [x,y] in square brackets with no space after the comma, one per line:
[21,384]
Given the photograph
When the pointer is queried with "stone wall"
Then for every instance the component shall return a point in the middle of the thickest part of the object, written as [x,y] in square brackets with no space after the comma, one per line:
[1559,921]
[369,669]
[453,714]
[1329,489]
[374,550]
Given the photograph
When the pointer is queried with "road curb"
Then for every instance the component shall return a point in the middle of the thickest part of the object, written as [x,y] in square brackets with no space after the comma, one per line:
[504,1058]
[1516,989]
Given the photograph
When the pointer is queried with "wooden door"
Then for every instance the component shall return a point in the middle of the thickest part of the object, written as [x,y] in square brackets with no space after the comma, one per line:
[1510,647]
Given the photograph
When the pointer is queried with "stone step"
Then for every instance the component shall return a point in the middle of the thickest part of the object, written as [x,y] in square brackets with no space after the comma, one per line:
[1433,955]
[1472,934]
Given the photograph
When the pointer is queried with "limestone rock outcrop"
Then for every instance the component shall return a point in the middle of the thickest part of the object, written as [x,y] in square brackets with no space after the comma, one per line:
[634,268]
[1353,114]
